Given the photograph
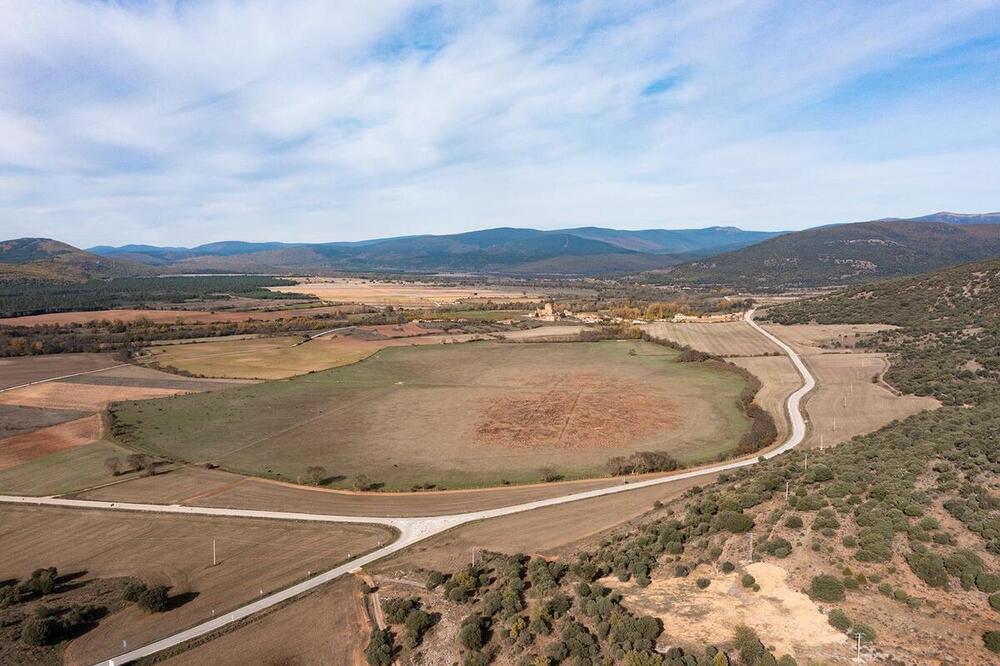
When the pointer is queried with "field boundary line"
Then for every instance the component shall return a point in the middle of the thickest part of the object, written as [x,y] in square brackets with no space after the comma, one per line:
[55,379]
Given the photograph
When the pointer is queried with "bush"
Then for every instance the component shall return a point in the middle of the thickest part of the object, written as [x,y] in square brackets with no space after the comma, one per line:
[988,582]
[778,547]
[40,630]
[867,633]
[793,521]
[474,632]
[434,578]
[702,583]
[731,521]
[747,580]
[396,610]
[991,639]
[826,588]
[153,599]
[928,567]
[995,601]
[838,619]
[380,649]
[728,567]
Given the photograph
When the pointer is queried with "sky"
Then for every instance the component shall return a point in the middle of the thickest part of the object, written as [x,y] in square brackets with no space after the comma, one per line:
[185,122]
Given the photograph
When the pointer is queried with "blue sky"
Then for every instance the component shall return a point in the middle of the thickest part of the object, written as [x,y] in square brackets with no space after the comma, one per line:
[179,123]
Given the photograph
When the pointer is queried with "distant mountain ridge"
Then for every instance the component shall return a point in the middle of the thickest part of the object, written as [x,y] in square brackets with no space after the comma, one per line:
[51,260]
[849,253]
[584,250]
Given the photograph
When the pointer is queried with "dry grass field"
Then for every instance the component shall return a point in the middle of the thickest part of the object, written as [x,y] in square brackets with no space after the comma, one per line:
[557,331]
[778,378]
[45,441]
[811,338]
[254,555]
[64,471]
[729,338]
[456,415]
[846,402]
[329,625]
[281,357]
[166,316]
[27,369]
[403,294]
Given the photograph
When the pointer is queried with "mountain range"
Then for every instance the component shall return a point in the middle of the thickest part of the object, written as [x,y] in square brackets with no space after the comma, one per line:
[821,256]
[584,250]
[848,253]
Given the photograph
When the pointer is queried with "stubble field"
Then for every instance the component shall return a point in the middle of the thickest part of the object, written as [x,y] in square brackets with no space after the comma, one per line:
[456,415]
[403,294]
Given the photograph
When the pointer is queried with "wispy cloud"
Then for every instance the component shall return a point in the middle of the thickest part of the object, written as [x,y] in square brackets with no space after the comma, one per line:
[183,122]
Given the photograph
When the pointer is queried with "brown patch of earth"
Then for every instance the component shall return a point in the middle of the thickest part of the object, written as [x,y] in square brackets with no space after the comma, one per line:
[785,618]
[22,448]
[81,397]
[577,411]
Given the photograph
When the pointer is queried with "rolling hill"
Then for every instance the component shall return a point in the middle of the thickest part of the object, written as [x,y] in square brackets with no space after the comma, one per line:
[51,260]
[586,250]
[845,254]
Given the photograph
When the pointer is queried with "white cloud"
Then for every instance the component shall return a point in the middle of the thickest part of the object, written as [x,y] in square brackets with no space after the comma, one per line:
[180,123]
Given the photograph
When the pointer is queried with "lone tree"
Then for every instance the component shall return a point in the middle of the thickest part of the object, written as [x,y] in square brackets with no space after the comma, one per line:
[140,462]
[362,482]
[316,474]
[114,465]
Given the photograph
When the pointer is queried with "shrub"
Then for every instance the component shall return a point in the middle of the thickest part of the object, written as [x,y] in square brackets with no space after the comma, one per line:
[380,649]
[867,633]
[316,474]
[778,547]
[153,599]
[728,567]
[826,588]
[838,619]
[731,521]
[40,629]
[434,578]
[396,610]
[474,632]
[991,639]
[928,566]
[793,521]
[987,582]
[417,623]
[702,583]
[747,580]
[42,582]
[995,601]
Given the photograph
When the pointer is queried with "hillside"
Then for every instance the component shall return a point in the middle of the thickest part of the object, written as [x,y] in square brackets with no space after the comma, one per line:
[950,319]
[585,250]
[47,259]
[844,254]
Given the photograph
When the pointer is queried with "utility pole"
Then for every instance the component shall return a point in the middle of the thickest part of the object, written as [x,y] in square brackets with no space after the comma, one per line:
[751,547]
[821,441]
[786,489]
[858,634]
[214,560]
[807,460]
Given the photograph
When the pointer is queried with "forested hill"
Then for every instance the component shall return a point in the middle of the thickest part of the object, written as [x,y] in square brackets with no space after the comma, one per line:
[949,341]
[844,254]
[49,260]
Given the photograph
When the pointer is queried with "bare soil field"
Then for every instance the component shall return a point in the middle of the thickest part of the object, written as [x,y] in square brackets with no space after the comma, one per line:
[282,357]
[27,369]
[846,402]
[729,338]
[79,397]
[329,625]
[175,551]
[789,619]
[166,316]
[16,420]
[28,446]
[456,415]
[404,294]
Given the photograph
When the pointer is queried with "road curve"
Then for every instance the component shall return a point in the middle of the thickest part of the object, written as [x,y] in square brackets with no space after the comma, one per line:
[411,530]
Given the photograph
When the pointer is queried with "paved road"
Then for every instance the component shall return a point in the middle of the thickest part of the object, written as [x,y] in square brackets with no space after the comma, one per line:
[411,530]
